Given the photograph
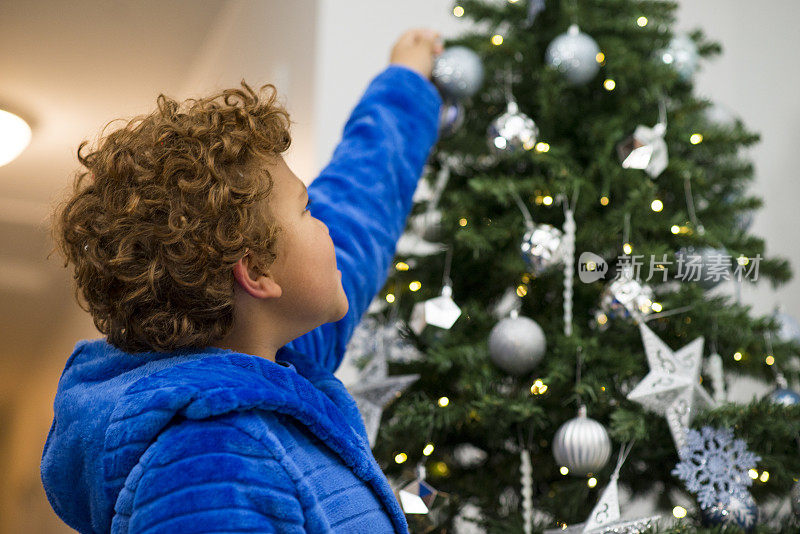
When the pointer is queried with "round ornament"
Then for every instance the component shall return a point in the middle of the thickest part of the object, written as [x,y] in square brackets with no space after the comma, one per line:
[785,397]
[681,55]
[626,297]
[512,132]
[706,266]
[541,247]
[582,445]
[458,72]
[575,55]
[742,512]
[451,117]
[516,344]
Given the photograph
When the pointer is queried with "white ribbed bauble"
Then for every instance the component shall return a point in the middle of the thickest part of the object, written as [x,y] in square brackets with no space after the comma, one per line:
[582,445]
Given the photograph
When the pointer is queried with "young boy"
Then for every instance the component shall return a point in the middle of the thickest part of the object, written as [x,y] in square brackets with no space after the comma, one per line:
[211,405]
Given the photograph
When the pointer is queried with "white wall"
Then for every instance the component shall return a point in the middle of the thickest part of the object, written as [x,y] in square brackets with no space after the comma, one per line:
[757,76]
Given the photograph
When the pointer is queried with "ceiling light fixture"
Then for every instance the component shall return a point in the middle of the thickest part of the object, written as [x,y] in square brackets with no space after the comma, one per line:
[15,135]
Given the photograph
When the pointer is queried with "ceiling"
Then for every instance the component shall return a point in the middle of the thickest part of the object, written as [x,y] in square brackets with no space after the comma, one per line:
[69,68]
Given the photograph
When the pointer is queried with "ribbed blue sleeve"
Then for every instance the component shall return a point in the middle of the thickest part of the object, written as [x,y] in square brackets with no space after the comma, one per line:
[364,194]
[208,476]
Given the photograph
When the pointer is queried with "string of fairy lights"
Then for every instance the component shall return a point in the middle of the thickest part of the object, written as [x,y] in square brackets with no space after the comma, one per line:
[545,198]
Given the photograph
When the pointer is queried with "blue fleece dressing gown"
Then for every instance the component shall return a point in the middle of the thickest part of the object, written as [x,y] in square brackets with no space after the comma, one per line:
[213,440]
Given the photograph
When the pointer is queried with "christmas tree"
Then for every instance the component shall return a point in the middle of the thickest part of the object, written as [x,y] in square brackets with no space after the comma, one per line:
[559,284]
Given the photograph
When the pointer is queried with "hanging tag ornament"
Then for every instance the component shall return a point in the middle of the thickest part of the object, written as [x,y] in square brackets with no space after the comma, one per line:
[605,516]
[646,148]
[417,497]
[440,311]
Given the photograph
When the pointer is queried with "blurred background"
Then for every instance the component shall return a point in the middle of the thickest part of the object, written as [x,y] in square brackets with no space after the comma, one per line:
[68,68]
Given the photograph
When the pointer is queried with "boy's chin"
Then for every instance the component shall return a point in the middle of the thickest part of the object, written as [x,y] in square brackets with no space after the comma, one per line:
[343,309]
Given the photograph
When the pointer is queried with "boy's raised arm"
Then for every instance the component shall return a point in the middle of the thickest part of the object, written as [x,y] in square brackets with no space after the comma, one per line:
[364,194]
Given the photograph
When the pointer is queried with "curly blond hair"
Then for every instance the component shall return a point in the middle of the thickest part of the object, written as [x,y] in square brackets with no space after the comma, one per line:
[164,208]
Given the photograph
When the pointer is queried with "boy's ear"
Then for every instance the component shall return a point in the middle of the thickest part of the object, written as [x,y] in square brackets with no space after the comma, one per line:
[253,281]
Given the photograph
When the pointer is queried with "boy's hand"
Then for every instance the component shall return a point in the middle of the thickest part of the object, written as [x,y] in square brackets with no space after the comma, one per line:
[417,50]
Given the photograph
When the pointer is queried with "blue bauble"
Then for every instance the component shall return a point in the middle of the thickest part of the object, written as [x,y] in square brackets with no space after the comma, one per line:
[784,396]
[681,55]
[789,328]
[451,117]
[574,54]
[740,512]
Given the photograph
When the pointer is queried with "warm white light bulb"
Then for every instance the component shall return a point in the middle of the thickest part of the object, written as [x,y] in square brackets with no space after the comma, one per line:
[15,135]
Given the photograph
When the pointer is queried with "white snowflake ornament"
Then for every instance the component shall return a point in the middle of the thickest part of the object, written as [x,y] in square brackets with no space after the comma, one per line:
[715,466]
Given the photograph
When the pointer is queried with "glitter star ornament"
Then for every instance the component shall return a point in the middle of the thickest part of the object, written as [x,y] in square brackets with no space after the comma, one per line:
[645,149]
[672,387]
[374,390]
[372,337]
[440,311]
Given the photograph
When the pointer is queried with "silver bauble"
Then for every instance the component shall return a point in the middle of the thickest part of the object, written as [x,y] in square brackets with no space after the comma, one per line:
[517,345]
[789,328]
[681,55]
[458,72]
[626,298]
[451,117]
[541,248]
[575,55]
[512,132]
[706,266]
[582,445]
